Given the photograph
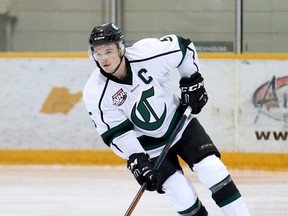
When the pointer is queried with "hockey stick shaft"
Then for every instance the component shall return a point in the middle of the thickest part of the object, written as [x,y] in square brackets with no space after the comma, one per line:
[160,159]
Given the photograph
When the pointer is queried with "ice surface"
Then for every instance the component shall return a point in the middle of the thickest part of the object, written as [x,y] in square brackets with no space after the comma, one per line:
[109,191]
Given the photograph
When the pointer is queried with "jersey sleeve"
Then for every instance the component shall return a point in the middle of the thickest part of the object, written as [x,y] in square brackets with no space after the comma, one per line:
[169,52]
[114,128]
[185,58]
[190,62]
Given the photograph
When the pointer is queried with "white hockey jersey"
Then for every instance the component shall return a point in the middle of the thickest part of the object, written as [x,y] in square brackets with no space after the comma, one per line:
[139,113]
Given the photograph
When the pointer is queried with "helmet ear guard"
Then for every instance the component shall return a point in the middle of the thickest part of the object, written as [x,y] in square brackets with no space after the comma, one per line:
[121,44]
[90,53]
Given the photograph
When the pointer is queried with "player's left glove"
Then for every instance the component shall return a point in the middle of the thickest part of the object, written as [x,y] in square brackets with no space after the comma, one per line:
[141,167]
[193,92]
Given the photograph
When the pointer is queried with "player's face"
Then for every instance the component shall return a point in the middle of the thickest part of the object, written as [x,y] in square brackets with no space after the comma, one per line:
[108,56]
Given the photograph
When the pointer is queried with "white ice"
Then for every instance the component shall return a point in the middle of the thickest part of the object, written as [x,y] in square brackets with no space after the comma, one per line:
[108,191]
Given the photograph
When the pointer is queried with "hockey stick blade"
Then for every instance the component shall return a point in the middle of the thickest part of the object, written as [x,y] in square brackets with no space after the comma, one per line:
[160,159]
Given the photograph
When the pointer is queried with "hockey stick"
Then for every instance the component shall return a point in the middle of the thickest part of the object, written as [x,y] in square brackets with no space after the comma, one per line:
[160,159]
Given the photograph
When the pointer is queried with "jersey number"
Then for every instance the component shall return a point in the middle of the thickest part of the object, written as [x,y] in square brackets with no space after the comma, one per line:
[167,38]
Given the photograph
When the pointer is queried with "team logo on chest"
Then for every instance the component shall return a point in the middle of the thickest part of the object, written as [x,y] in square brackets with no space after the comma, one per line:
[149,119]
[119,97]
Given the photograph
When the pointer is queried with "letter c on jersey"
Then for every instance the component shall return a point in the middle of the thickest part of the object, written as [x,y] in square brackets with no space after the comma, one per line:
[144,78]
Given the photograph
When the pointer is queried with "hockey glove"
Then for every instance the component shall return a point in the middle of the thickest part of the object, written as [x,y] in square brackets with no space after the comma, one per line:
[141,167]
[193,92]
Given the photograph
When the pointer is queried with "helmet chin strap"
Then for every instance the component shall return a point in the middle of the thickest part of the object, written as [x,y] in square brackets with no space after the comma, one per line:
[121,59]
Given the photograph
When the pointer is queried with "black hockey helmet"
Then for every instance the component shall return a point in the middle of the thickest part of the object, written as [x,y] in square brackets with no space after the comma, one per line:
[106,33]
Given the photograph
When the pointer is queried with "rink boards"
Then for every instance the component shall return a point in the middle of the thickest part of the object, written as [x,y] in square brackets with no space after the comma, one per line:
[43,119]
[233,160]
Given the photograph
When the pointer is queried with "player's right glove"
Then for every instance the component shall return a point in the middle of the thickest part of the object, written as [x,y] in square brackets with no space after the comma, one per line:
[141,167]
[193,92]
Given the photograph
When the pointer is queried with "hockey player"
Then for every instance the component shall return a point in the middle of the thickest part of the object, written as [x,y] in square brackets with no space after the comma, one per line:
[135,113]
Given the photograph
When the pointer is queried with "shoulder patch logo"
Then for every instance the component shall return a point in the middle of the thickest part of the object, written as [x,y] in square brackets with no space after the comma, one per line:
[119,97]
